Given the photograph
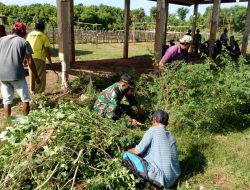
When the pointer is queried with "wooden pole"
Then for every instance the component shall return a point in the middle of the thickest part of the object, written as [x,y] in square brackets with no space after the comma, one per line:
[63,22]
[246,32]
[126,29]
[160,30]
[194,22]
[166,22]
[72,35]
[214,26]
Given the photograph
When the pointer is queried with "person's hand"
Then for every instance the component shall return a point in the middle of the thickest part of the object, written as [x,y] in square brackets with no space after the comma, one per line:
[25,62]
[135,122]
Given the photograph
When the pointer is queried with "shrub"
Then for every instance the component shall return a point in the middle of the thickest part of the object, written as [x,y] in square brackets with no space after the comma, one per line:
[202,97]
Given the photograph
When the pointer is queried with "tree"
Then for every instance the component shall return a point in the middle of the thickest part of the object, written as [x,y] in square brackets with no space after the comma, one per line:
[224,17]
[173,20]
[207,17]
[153,13]
[138,15]
[238,18]
[182,13]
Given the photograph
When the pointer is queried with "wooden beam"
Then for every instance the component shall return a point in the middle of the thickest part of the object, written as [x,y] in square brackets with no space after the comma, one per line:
[64,30]
[214,26]
[194,21]
[126,28]
[246,32]
[160,30]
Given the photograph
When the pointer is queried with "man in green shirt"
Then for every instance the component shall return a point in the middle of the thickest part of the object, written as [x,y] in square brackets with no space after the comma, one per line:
[108,103]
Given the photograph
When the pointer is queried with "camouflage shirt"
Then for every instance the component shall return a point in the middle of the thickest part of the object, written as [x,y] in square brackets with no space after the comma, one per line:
[109,101]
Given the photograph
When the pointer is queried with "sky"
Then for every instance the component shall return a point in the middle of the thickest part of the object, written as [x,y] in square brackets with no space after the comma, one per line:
[134,4]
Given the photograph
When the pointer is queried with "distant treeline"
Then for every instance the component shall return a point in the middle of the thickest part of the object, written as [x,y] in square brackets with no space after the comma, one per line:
[111,18]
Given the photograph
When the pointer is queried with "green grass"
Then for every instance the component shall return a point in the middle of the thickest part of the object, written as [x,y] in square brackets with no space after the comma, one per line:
[102,51]
[106,51]
[215,161]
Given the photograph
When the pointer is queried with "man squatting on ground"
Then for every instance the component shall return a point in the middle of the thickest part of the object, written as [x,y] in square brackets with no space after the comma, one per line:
[13,49]
[177,52]
[155,158]
[108,104]
[41,50]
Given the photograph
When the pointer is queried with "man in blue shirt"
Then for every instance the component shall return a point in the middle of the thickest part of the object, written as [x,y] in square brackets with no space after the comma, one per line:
[155,158]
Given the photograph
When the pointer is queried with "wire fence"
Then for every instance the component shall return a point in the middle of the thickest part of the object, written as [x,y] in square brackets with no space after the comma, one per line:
[116,36]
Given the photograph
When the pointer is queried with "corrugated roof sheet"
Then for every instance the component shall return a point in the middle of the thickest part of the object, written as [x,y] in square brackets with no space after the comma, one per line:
[191,2]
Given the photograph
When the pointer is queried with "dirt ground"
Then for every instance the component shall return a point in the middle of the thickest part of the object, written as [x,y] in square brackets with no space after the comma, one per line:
[140,64]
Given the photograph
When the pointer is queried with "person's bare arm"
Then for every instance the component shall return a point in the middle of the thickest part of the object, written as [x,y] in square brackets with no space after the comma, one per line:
[133,151]
[32,67]
[48,55]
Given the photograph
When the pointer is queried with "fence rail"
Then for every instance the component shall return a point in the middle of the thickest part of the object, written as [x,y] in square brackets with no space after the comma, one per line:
[116,36]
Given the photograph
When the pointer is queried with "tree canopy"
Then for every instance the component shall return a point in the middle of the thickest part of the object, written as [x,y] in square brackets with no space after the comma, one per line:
[112,18]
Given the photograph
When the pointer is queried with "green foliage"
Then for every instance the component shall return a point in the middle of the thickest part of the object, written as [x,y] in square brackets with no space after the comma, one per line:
[201,97]
[182,13]
[113,18]
[238,18]
[28,14]
[80,149]
[233,18]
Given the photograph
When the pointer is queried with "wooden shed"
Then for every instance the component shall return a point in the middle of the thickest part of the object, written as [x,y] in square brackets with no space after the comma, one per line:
[66,27]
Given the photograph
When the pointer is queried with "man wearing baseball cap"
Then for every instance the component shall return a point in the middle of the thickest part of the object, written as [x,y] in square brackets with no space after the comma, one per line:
[177,52]
[13,49]
[108,103]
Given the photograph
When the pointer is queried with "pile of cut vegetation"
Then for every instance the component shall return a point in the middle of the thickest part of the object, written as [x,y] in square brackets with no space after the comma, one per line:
[65,147]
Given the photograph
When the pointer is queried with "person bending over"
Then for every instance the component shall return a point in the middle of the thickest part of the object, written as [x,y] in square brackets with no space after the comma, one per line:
[177,52]
[108,103]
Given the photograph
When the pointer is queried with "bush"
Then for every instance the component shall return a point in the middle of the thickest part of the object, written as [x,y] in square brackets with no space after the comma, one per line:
[202,97]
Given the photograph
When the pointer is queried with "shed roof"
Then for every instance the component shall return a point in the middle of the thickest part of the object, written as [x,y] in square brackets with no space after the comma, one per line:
[191,2]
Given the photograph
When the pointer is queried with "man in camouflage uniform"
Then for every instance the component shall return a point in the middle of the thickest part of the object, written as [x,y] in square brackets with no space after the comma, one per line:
[108,103]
